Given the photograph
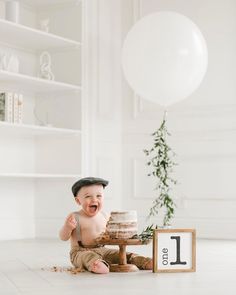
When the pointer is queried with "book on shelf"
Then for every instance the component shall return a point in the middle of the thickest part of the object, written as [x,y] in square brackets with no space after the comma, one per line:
[6,106]
[20,106]
[11,105]
[15,108]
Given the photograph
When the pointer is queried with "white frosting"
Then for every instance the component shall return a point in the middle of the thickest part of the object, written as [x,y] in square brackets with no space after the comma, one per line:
[123,216]
[122,224]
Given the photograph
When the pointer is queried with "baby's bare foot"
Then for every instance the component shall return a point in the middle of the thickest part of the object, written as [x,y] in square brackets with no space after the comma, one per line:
[100,267]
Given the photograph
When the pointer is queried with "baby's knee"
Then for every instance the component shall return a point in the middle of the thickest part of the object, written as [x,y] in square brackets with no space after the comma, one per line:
[99,266]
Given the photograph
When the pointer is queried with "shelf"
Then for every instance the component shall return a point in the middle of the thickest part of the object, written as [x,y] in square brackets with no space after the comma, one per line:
[26,37]
[42,3]
[31,130]
[38,175]
[32,84]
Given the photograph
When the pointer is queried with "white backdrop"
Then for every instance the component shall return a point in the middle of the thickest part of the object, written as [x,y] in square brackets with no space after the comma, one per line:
[203,129]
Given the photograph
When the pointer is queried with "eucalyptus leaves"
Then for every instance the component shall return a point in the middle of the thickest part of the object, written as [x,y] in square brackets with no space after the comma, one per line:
[160,159]
[146,234]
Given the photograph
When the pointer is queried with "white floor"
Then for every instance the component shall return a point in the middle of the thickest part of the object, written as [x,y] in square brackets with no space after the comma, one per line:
[21,272]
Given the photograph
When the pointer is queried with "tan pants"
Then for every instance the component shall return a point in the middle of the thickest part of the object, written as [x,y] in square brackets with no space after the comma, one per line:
[83,258]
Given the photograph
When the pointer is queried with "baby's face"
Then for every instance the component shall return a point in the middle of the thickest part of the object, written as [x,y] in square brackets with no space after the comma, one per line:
[91,198]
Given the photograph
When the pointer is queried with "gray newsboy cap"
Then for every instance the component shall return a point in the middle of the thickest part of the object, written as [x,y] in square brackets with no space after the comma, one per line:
[87,181]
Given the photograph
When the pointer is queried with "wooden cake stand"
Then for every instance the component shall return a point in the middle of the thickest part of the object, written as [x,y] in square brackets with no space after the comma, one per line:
[123,266]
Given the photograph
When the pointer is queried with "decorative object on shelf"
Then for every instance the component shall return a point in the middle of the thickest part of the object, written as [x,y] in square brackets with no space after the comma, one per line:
[159,66]
[162,167]
[41,112]
[174,250]
[3,62]
[12,11]
[44,24]
[9,62]
[13,64]
[39,120]
[45,66]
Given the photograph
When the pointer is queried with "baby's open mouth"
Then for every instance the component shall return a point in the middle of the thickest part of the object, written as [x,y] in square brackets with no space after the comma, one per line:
[93,208]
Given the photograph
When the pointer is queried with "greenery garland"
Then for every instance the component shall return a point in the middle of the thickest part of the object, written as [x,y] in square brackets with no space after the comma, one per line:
[160,158]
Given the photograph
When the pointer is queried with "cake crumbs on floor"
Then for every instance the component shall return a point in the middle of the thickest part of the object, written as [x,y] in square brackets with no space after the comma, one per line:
[71,270]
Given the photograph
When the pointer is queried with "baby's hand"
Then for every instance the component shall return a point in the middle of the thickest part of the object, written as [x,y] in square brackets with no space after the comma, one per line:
[71,222]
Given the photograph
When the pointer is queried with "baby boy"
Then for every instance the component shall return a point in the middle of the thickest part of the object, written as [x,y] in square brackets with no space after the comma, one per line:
[83,228]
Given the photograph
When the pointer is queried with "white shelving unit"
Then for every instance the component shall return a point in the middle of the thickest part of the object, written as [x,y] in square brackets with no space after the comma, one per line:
[34,175]
[43,155]
[25,37]
[27,83]
[20,130]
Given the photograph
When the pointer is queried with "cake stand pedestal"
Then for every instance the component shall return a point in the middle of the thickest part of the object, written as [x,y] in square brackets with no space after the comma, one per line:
[123,266]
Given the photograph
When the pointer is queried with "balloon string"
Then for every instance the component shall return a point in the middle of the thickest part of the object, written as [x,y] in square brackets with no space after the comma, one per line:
[165,115]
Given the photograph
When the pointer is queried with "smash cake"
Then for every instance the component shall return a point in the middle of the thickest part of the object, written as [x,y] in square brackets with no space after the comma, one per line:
[122,224]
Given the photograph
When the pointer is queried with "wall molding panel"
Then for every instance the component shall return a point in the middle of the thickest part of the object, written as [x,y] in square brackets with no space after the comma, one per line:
[142,183]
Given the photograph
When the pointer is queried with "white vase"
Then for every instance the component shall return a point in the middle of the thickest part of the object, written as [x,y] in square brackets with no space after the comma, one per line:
[13,64]
[45,66]
[3,62]
[12,11]
[44,24]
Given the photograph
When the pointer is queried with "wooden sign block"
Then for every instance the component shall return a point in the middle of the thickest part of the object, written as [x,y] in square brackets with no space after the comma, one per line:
[174,250]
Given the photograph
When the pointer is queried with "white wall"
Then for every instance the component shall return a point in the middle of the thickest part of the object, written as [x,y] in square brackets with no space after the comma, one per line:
[17,209]
[202,128]
[105,95]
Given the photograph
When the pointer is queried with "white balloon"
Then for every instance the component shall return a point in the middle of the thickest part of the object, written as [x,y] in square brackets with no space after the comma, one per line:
[164,57]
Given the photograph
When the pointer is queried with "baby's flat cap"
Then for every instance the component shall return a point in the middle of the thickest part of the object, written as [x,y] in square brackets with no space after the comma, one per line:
[87,181]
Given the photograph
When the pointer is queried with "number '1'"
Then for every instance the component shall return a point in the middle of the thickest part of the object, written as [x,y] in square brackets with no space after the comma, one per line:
[178,261]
